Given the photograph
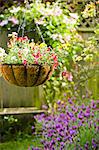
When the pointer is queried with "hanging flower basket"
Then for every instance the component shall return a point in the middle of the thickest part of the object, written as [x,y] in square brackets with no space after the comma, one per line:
[27,64]
[25,76]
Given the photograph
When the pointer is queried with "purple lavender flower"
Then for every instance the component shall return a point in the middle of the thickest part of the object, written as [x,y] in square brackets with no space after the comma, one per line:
[87,115]
[87,109]
[65,94]
[53,141]
[74,127]
[80,115]
[74,109]
[83,106]
[94,145]
[90,123]
[70,114]
[95,125]
[58,138]
[97,128]
[72,132]
[93,105]
[74,119]
[70,101]
[80,148]
[86,146]
[45,107]
[62,144]
[50,134]
[80,124]
[33,127]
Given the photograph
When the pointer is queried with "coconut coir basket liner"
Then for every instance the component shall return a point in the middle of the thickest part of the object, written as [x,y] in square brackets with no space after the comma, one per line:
[25,76]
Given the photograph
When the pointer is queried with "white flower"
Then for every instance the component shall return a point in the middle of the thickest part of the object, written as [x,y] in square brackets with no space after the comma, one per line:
[4,22]
[14,34]
[74,15]
[2,54]
[57,11]
[40,21]
[66,20]
[2,50]
[54,36]
[26,51]
[67,37]
[13,58]
[15,9]
[63,84]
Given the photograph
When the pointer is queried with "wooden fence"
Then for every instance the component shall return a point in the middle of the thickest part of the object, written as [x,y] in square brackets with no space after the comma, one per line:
[13,96]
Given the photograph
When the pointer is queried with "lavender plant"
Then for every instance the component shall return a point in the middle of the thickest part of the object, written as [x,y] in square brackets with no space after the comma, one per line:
[69,127]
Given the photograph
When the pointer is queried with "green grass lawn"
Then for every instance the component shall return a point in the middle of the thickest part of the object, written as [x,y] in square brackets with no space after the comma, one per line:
[20,145]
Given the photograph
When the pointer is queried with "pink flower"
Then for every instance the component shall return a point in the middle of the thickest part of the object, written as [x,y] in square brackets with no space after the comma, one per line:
[67,75]
[70,77]
[36,62]
[37,55]
[25,62]
[14,20]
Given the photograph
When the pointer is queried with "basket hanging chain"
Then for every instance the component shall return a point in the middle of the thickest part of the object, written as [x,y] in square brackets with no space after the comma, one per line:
[38,28]
[22,26]
[23,23]
[40,32]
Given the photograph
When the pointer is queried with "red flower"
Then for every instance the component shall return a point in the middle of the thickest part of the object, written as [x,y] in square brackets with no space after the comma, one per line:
[48,49]
[54,56]
[63,73]
[55,59]
[55,65]
[20,39]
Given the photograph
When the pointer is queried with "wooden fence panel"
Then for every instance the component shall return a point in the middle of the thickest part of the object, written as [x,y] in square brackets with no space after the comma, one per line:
[14,96]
